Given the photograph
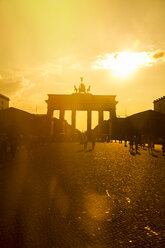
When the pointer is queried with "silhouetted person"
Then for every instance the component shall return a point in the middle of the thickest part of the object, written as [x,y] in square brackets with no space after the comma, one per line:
[93,140]
[137,142]
[163,147]
[85,141]
[142,141]
[150,146]
[131,144]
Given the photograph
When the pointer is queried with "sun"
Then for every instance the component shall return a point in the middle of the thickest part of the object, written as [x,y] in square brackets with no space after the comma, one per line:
[123,64]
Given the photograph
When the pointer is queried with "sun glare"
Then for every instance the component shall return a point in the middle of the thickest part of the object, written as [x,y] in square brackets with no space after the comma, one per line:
[124,63]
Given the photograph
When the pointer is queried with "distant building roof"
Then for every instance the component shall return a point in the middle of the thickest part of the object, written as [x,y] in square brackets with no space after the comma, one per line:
[159,99]
[4,97]
[15,110]
[147,113]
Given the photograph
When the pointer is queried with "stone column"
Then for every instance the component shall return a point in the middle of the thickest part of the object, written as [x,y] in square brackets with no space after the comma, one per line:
[100,131]
[109,115]
[50,122]
[100,116]
[112,114]
[73,121]
[62,116]
[89,117]
[50,113]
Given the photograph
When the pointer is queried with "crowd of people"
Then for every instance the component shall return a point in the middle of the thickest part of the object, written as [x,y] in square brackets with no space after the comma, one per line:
[85,139]
[136,142]
[10,143]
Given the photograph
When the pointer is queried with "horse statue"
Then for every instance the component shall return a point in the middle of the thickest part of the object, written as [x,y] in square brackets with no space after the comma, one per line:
[89,89]
[75,89]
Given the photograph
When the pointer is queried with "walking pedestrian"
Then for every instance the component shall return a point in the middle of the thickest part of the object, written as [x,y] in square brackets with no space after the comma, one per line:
[163,147]
[150,146]
[85,141]
[131,144]
[93,140]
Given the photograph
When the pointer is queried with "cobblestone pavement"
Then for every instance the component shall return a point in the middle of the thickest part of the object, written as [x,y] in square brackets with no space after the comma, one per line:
[61,196]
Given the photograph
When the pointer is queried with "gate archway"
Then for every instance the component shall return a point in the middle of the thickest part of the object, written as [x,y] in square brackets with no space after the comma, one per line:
[85,101]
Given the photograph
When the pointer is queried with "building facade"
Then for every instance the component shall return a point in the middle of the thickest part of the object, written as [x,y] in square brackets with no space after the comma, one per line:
[159,105]
[4,102]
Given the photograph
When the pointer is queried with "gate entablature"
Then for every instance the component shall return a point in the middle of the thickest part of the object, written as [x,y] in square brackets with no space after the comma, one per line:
[80,101]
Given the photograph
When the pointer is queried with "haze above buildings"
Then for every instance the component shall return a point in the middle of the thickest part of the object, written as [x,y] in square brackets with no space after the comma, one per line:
[46,46]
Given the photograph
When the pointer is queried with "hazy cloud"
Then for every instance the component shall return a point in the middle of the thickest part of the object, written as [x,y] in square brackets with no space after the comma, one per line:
[28,87]
[159,55]
[9,81]
[125,60]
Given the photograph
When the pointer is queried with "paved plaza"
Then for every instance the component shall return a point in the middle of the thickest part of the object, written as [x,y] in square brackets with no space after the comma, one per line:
[60,196]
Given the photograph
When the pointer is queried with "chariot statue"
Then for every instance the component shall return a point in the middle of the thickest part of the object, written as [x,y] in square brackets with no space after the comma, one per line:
[82,88]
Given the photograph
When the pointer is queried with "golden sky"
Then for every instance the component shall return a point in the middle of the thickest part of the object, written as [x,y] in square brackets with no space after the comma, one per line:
[46,45]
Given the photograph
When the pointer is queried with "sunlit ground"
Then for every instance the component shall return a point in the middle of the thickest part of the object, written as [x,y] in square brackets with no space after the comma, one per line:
[59,195]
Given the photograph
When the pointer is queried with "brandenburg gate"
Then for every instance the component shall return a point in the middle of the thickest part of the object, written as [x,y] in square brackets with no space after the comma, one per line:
[81,100]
